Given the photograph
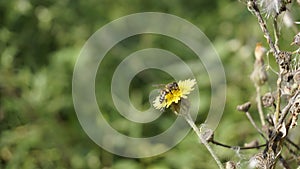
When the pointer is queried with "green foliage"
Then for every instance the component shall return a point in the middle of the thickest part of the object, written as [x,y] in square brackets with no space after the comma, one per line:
[39,44]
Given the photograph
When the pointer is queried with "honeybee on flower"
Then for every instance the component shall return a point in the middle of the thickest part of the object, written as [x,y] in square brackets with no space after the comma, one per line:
[173,92]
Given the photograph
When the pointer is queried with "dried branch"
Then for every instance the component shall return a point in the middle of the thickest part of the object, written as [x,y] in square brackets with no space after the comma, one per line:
[292,143]
[245,108]
[286,109]
[259,107]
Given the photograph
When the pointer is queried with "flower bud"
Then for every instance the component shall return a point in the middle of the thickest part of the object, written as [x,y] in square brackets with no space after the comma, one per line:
[244,107]
[259,75]
[259,51]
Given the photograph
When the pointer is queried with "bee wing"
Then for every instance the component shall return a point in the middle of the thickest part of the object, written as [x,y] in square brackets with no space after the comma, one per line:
[158,85]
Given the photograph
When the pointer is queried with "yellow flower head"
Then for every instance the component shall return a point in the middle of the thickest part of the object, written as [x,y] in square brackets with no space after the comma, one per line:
[173,92]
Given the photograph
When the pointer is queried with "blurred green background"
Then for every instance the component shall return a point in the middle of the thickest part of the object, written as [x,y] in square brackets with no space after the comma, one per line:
[40,42]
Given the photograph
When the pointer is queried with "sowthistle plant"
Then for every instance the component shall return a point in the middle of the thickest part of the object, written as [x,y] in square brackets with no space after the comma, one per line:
[174,96]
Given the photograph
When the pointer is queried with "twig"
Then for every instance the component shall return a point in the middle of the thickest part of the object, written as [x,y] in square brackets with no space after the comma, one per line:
[294,154]
[259,105]
[237,147]
[284,162]
[254,125]
[292,143]
[245,108]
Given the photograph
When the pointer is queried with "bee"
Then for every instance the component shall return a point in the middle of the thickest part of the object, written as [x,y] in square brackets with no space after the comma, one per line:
[166,90]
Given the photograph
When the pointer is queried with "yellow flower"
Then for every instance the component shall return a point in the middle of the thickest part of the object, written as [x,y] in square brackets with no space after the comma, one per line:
[171,94]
